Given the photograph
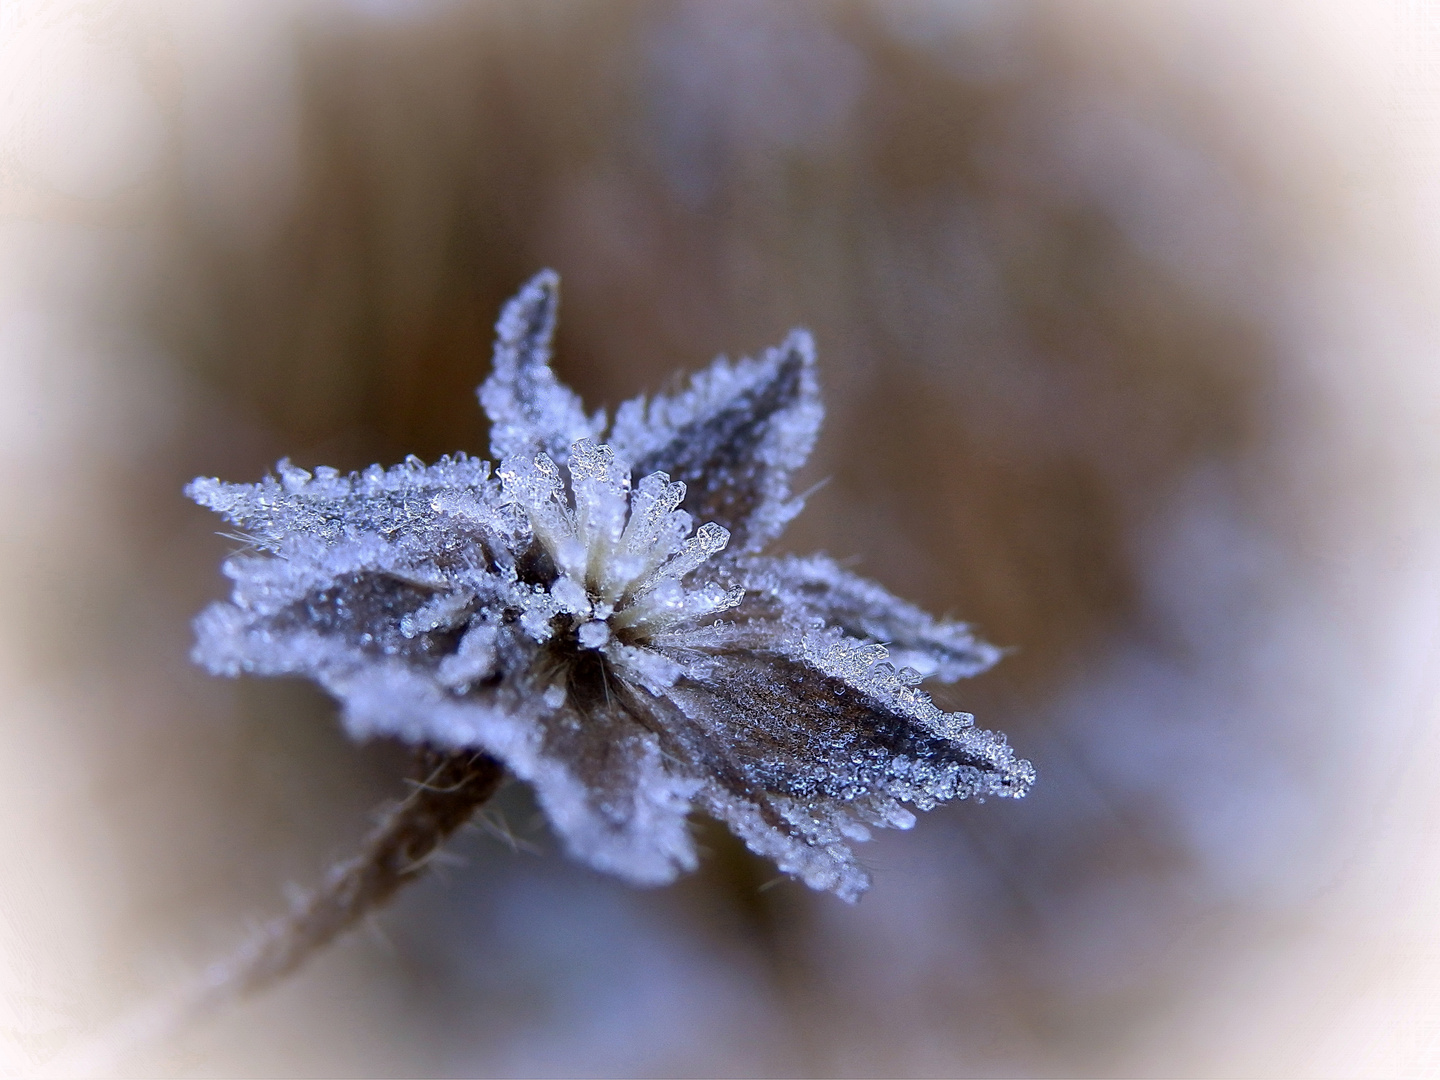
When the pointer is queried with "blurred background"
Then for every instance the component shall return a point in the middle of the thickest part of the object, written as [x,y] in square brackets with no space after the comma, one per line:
[1127,317]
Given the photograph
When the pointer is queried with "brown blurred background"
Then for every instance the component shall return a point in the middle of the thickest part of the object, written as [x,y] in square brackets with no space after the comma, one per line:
[1126,316]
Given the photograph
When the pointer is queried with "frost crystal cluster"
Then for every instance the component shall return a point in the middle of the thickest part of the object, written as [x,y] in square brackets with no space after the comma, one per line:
[564,613]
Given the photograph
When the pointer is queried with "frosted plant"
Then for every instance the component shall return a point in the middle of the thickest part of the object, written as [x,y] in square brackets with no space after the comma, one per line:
[563,614]
[564,620]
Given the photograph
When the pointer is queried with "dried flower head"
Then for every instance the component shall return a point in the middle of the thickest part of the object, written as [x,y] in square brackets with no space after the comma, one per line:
[563,614]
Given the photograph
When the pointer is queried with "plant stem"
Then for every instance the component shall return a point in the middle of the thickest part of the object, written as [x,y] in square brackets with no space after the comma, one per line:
[396,853]
[452,787]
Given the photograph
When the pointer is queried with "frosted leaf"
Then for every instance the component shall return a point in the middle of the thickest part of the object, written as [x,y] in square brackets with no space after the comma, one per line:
[815,587]
[339,613]
[804,845]
[824,726]
[733,436]
[530,410]
[661,609]
[628,665]
[331,506]
[606,785]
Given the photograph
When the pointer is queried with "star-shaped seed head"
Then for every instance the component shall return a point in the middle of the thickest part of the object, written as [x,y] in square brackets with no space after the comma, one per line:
[579,627]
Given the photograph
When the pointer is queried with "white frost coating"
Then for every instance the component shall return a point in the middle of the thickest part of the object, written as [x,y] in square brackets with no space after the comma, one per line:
[771,404]
[529,409]
[809,847]
[593,635]
[331,506]
[710,539]
[568,622]
[643,426]
[621,558]
[445,611]
[646,839]
[815,586]
[473,660]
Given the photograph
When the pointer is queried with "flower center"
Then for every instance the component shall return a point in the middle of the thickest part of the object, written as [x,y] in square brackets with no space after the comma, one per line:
[621,553]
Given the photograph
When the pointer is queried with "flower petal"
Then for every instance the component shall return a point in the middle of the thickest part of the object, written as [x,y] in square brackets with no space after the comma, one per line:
[733,437]
[806,745]
[816,587]
[331,507]
[578,644]
[364,613]
[530,410]
[609,791]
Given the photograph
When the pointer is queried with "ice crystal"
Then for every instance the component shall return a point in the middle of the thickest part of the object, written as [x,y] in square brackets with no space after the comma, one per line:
[571,619]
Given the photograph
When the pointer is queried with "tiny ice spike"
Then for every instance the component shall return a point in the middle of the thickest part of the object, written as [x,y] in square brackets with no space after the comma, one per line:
[577,625]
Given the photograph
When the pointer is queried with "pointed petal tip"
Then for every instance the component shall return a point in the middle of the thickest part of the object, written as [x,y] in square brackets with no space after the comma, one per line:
[529,318]
[797,354]
[1015,780]
[801,343]
[529,408]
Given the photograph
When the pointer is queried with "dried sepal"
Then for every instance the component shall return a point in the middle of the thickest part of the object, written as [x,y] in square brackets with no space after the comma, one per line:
[815,587]
[733,437]
[530,410]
